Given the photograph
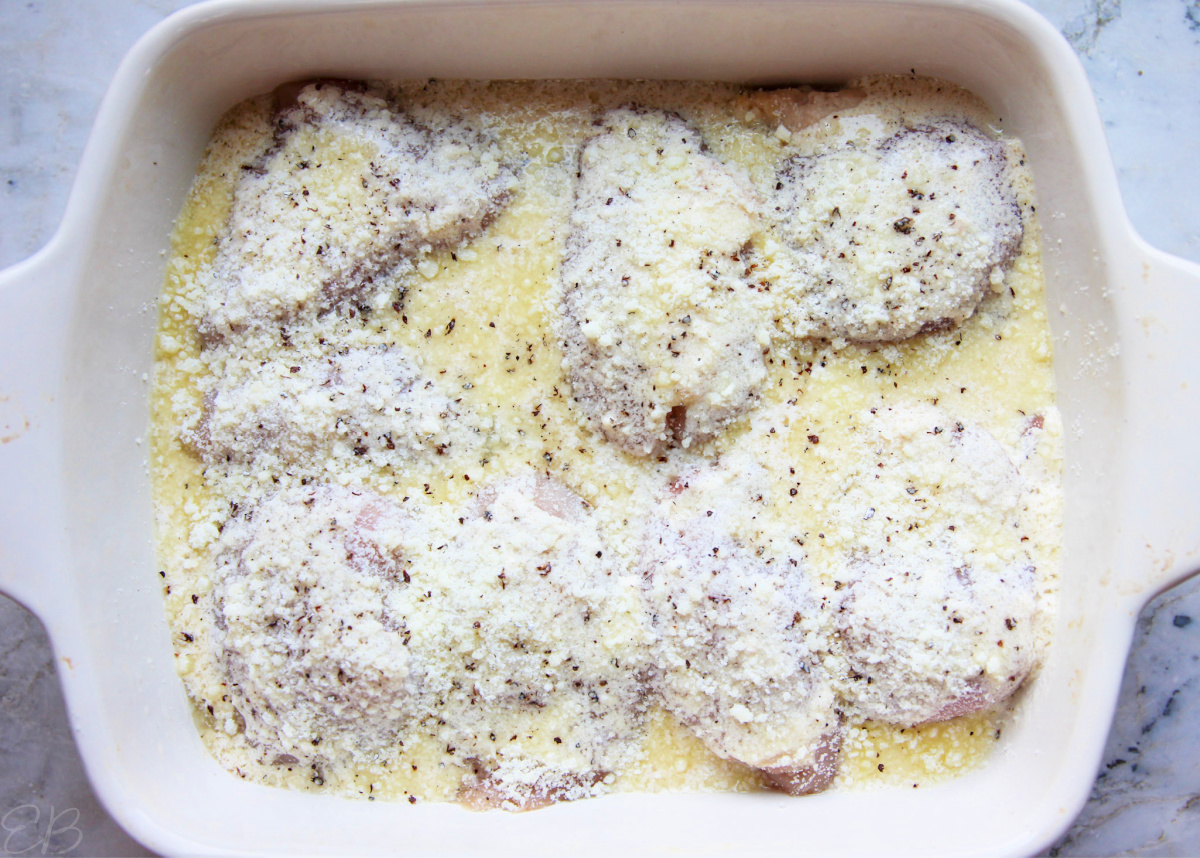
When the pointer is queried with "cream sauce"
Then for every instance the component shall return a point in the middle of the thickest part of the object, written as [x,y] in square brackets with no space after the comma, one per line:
[480,319]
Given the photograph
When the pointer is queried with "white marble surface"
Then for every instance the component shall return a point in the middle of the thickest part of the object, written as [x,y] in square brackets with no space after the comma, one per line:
[1143,58]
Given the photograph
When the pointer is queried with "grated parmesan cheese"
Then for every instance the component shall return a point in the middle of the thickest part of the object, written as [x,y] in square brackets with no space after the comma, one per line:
[661,332]
[738,643]
[371,402]
[938,615]
[897,237]
[348,191]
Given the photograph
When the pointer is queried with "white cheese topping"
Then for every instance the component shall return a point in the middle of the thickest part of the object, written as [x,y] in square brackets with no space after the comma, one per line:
[663,335]
[367,402]
[345,623]
[351,189]
[738,632]
[547,637]
[891,240]
[937,614]
[311,629]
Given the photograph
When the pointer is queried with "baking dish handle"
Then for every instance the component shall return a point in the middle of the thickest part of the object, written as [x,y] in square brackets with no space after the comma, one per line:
[34,309]
[1162,391]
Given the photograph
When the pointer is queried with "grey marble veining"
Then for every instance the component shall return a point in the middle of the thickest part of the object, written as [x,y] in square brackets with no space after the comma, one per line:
[1146,799]
[1143,59]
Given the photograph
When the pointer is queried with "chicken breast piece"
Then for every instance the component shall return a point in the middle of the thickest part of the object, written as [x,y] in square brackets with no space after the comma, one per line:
[522,784]
[662,335]
[938,612]
[351,190]
[310,625]
[547,629]
[737,652]
[929,638]
[369,402]
[885,243]
[795,107]
[346,622]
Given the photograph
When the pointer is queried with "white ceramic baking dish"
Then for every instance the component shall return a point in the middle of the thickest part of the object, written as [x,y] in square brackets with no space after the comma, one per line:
[76,328]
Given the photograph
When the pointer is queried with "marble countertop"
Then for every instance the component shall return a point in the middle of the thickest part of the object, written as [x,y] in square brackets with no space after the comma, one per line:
[1143,59]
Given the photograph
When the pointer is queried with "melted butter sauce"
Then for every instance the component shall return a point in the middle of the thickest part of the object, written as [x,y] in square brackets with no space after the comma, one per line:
[480,319]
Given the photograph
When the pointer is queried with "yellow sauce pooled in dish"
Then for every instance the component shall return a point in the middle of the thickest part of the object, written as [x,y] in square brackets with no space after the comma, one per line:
[522,442]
